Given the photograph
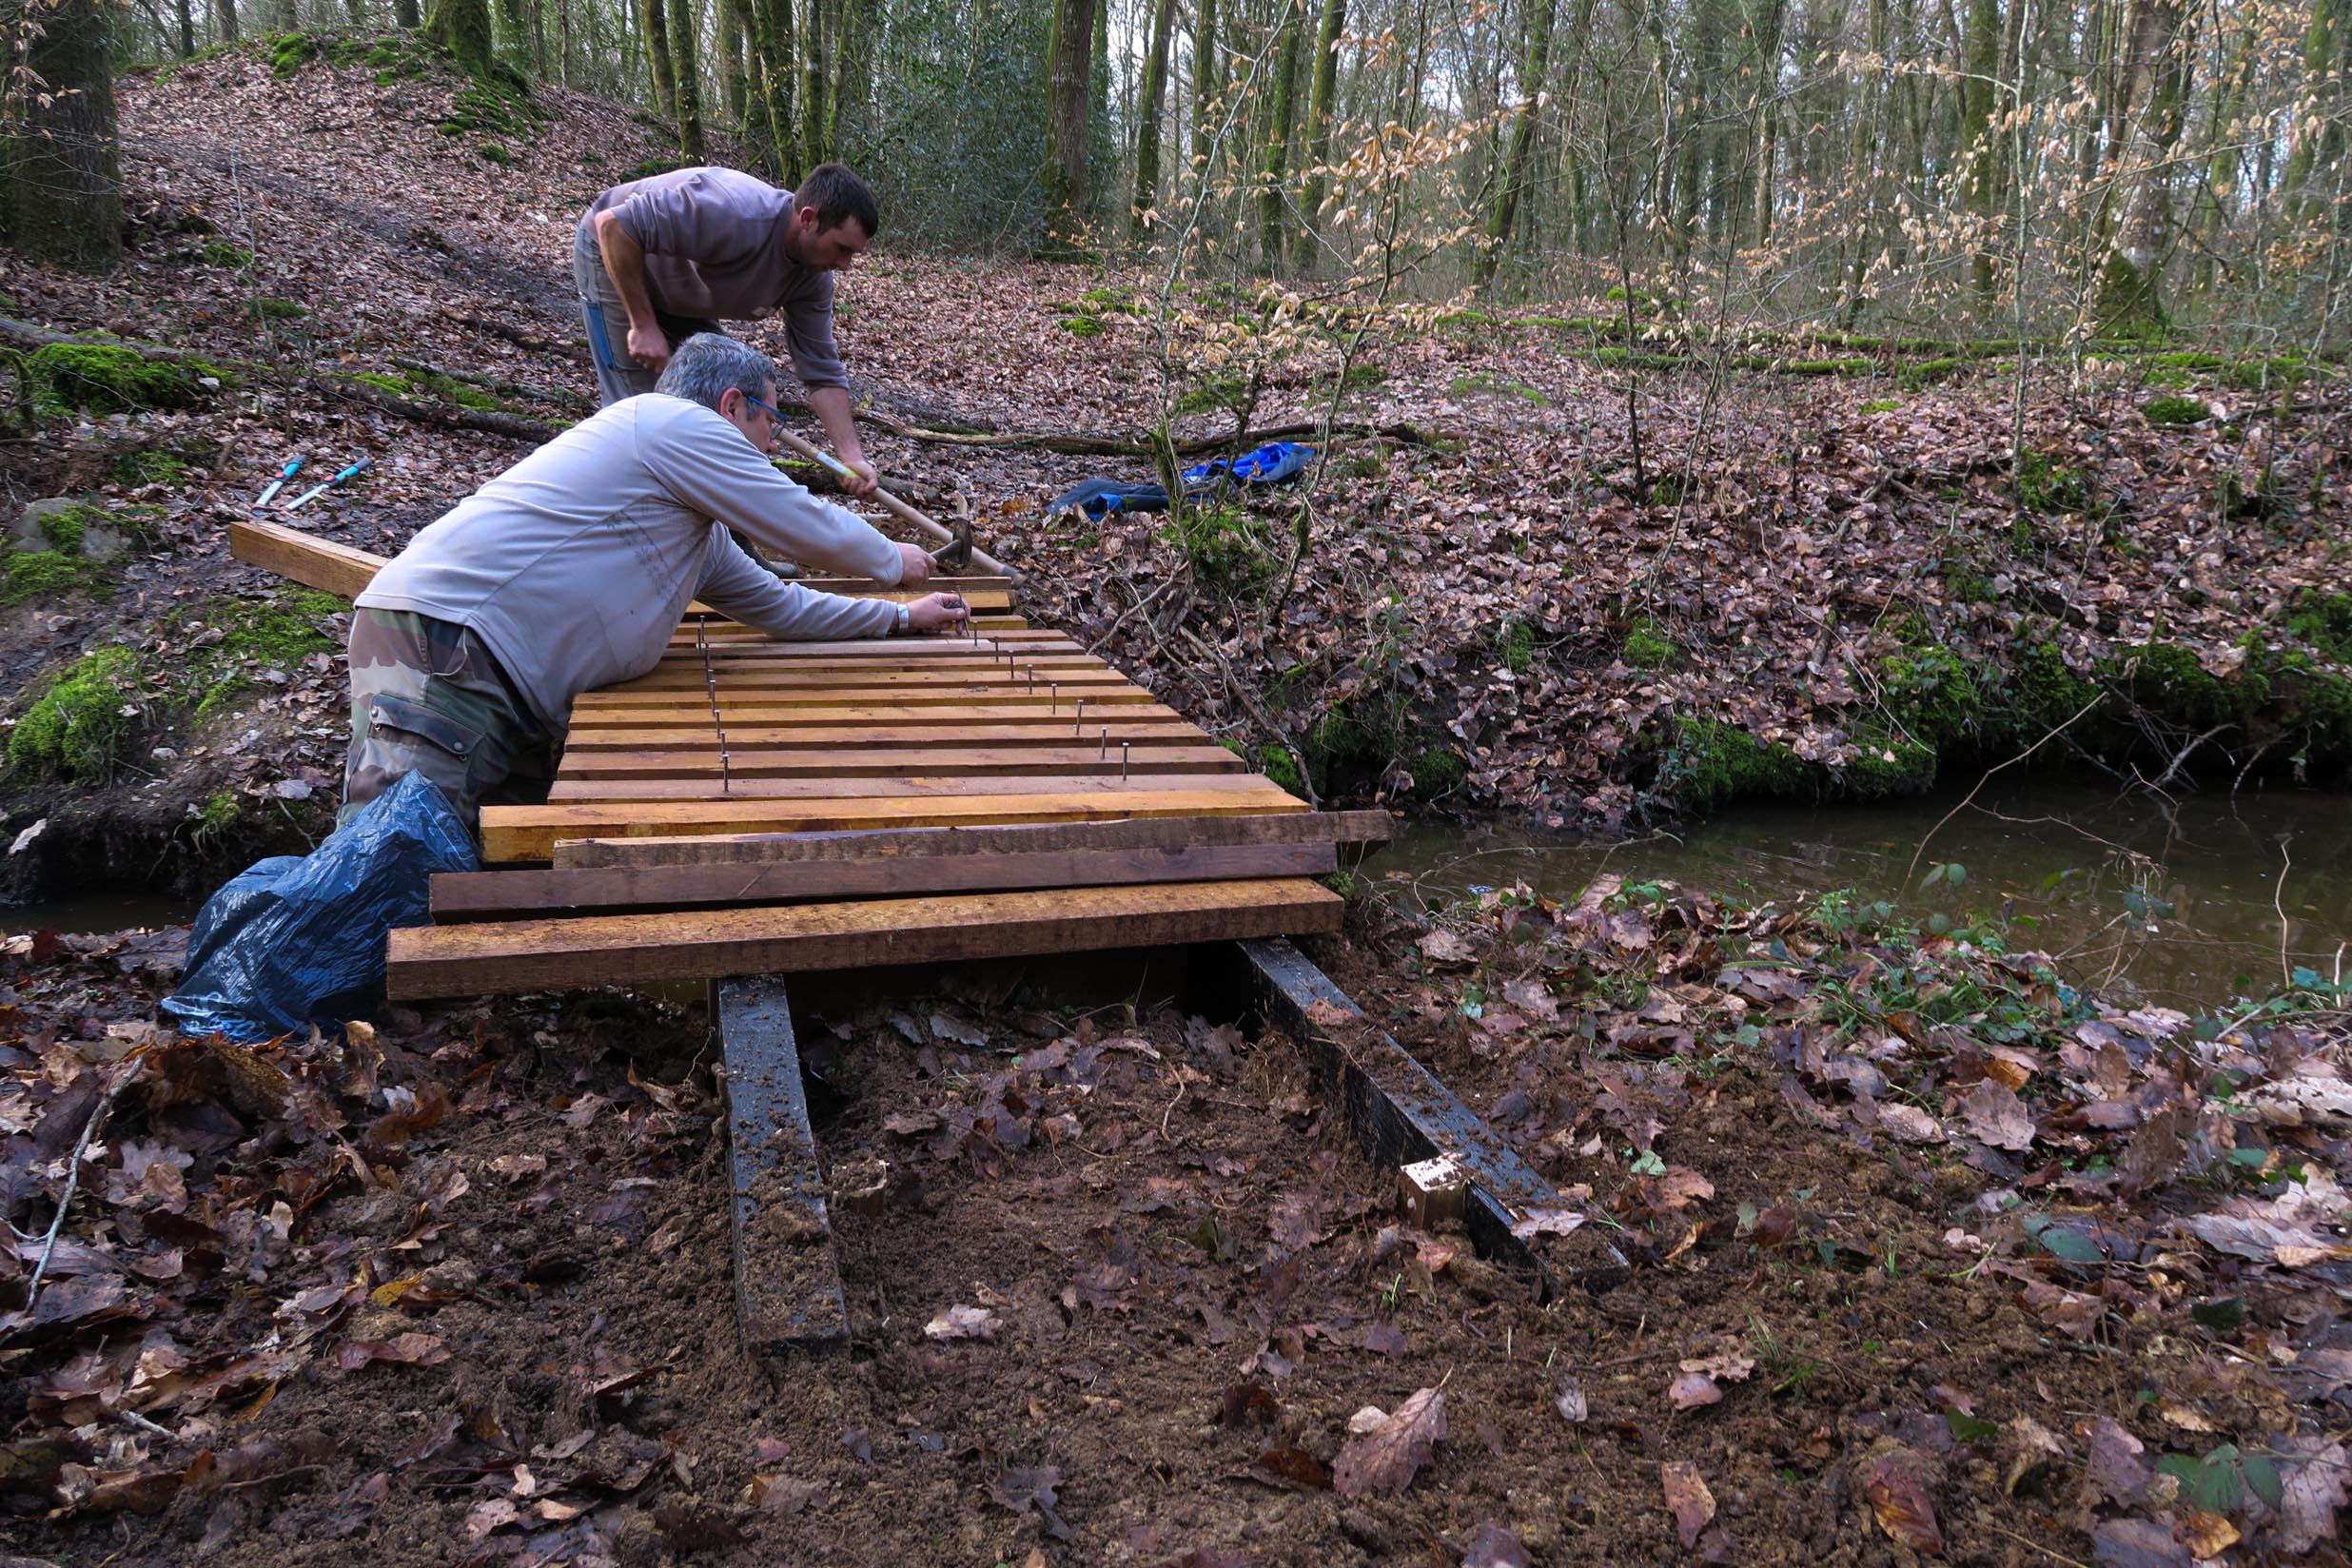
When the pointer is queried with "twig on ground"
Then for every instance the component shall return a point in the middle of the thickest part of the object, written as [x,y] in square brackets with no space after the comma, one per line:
[2278,892]
[124,1071]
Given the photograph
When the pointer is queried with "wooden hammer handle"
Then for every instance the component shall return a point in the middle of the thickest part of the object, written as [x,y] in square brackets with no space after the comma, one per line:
[899,509]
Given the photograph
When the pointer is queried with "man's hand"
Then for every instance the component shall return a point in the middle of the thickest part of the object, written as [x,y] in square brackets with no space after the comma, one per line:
[934,611]
[915,566]
[649,347]
[860,480]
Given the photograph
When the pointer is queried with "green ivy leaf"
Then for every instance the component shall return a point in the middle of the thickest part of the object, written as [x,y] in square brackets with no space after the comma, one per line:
[1968,1428]
[2222,1315]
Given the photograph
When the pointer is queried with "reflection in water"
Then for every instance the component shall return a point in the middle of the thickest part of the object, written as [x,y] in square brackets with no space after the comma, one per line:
[2182,900]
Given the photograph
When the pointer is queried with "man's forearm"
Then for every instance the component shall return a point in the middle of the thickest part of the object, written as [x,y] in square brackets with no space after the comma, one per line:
[624,263]
[831,407]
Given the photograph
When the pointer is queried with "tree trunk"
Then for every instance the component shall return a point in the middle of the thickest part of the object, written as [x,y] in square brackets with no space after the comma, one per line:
[1147,133]
[735,75]
[2314,146]
[815,114]
[1978,98]
[771,33]
[1323,101]
[853,57]
[59,187]
[187,28]
[2131,301]
[463,28]
[686,45]
[407,15]
[514,32]
[224,18]
[660,73]
[1207,73]
[1272,230]
[1070,72]
[1532,74]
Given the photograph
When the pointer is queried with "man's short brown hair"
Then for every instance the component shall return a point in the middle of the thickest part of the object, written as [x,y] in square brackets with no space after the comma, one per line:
[838,196]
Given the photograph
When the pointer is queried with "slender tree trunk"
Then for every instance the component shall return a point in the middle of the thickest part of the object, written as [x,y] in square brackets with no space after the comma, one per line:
[1273,238]
[538,40]
[2315,147]
[686,45]
[773,32]
[1536,68]
[734,77]
[224,18]
[1147,133]
[660,73]
[1207,77]
[1322,105]
[1069,70]
[407,15]
[563,43]
[60,186]
[187,28]
[815,114]
[1982,64]
[853,69]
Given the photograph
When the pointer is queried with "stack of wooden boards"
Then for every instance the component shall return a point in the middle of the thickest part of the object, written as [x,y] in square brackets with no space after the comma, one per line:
[757,807]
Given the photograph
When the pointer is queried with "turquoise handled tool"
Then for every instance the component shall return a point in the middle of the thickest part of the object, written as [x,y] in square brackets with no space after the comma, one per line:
[316,490]
[279,484]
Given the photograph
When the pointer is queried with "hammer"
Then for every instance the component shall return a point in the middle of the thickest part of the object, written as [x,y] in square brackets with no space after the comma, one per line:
[956,555]
[959,547]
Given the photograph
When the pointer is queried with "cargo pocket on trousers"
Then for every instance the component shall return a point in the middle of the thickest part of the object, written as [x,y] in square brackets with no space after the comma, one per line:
[406,737]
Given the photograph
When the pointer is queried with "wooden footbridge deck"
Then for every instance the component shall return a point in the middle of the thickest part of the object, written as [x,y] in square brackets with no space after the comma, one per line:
[751,809]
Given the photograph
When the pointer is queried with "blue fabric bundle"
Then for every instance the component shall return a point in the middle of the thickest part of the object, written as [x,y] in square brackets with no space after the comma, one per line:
[1269,464]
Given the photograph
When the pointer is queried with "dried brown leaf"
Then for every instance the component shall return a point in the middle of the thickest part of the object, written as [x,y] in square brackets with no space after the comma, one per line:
[1384,1461]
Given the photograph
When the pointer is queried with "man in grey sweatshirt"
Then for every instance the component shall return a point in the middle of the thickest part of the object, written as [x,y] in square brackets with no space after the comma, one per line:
[569,570]
[660,259]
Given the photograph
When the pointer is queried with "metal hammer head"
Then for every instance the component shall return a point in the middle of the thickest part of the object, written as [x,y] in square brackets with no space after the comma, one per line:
[956,555]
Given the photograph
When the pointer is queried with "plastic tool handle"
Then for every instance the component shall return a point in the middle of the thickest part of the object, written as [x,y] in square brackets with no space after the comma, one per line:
[316,490]
[279,484]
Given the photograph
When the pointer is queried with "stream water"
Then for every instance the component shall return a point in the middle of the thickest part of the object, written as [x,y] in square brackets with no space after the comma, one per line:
[2182,900]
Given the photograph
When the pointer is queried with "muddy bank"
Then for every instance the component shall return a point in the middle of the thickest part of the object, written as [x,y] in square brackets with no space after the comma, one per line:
[1925,1248]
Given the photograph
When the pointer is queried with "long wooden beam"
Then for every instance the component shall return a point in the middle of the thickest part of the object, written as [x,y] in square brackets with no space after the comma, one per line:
[498,957]
[1039,703]
[529,833]
[640,720]
[891,846]
[944,757]
[476,896]
[916,786]
[583,748]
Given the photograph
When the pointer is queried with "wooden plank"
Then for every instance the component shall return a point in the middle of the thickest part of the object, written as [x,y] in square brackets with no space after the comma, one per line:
[819,849]
[949,755]
[728,635]
[689,675]
[571,790]
[583,748]
[499,956]
[529,833]
[595,719]
[339,569]
[788,1284]
[1400,1113]
[733,703]
[762,656]
[936,585]
[475,896]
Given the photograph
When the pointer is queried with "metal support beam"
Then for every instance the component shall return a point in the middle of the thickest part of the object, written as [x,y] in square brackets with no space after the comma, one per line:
[1400,1114]
[788,1284]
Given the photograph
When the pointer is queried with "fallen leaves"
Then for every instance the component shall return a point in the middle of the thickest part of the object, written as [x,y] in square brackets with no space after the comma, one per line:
[1687,1499]
[1383,1460]
[962,1322]
[1897,1489]
[1023,1489]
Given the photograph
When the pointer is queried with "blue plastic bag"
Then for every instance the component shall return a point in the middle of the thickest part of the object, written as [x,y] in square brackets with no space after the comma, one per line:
[297,940]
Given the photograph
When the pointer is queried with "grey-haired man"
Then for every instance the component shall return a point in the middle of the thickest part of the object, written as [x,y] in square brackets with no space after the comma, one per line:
[569,570]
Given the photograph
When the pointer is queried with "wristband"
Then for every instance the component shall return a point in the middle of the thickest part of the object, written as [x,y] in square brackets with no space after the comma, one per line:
[905,619]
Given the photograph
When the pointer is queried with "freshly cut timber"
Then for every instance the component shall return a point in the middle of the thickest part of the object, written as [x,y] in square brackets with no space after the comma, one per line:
[493,957]
[916,861]
[529,833]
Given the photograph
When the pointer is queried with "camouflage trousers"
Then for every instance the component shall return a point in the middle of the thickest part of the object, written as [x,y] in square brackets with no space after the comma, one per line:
[427,698]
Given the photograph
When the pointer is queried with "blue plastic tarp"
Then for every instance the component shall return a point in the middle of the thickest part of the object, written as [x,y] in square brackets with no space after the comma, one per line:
[1269,464]
[297,940]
